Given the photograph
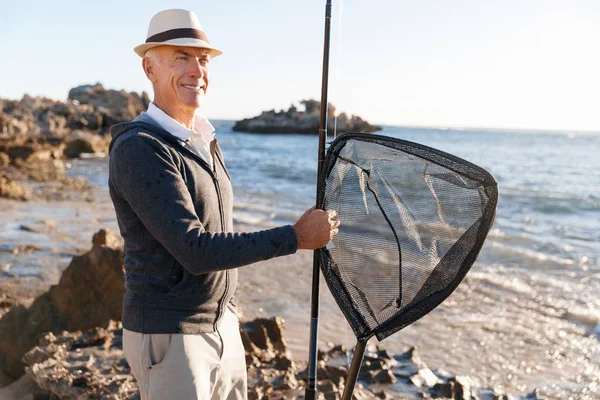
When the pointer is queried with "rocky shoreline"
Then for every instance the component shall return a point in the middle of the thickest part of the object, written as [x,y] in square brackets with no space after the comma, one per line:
[38,134]
[54,350]
[304,121]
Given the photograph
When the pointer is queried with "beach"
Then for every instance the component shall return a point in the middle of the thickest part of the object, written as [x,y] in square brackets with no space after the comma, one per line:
[526,316]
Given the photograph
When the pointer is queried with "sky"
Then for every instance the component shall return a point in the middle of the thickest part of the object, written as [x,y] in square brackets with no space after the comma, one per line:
[529,64]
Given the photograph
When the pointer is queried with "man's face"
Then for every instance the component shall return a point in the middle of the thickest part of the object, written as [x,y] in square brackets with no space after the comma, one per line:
[179,74]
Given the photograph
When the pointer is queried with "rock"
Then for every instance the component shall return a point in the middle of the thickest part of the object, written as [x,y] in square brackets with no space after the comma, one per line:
[374,361]
[18,291]
[13,190]
[384,394]
[307,121]
[338,351]
[4,159]
[489,394]
[25,248]
[284,363]
[330,390]
[380,377]
[84,142]
[43,226]
[123,106]
[424,378]
[65,189]
[51,170]
[89,107]
[90,364]
[410,355]
[321,355]
[264,338]
[286,381]
[442,374]
[253,353]
[335,373]
[442,390]
[93,282]
[408,365]
[24,388]
[105,237]
[461,389]
[259,393]
[78,365]
[30,152]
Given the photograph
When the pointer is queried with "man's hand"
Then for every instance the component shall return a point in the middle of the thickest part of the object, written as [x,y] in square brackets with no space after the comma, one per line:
[316,228]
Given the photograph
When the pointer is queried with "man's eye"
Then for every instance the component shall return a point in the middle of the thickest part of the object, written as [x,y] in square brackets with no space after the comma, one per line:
[184,58]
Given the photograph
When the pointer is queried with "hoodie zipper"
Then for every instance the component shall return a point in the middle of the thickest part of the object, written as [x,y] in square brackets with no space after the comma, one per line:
[213,174]
[213,146]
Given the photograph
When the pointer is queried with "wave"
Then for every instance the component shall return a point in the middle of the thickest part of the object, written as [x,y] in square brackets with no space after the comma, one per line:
[531,255]
[512,283]
[582,315]
[552,202]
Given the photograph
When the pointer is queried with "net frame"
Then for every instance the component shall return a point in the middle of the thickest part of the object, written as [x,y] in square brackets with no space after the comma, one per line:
[418,308]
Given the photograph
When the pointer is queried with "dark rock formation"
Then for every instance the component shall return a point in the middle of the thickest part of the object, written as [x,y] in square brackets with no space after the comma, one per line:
[89,108]
[23,151]
[307,121]
[26,160]
[36,133]
[89,294]
[112,106]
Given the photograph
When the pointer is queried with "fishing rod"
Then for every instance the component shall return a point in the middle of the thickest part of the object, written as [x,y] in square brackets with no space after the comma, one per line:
[311,389]
[446,209]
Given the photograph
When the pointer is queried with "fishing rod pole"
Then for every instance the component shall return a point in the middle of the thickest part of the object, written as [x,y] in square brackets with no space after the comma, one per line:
[311,389]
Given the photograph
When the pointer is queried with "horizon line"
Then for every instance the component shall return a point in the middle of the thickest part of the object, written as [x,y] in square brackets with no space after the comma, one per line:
[469,128]
[415,126]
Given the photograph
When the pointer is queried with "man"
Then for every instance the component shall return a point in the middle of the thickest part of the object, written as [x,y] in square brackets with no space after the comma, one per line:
[173,199]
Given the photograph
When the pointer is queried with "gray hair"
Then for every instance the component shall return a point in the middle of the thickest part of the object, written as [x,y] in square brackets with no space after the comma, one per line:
[152,54]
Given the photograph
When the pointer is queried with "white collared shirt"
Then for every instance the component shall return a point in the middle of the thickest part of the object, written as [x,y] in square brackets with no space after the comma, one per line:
[198,140]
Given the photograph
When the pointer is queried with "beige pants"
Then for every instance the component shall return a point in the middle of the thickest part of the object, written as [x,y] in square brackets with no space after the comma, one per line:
[206,366]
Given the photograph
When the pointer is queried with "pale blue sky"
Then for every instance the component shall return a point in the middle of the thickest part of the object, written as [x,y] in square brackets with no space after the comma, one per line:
[458,63]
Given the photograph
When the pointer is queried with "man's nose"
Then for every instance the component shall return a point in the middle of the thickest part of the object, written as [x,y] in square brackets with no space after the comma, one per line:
[196,69]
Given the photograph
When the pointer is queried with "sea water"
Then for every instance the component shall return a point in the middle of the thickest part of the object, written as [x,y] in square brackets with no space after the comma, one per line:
[528,315]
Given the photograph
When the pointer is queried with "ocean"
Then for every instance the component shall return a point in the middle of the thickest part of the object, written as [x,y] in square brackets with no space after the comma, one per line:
[528,314]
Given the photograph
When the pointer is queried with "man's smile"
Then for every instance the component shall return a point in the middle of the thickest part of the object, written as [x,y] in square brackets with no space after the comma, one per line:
[195,88]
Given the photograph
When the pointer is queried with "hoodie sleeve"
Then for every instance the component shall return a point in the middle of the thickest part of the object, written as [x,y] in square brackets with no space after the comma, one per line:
[167,212]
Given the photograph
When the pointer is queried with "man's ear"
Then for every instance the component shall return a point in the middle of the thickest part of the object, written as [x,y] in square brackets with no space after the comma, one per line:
[149,68]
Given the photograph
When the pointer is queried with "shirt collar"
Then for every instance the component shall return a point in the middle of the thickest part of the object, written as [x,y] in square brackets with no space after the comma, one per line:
[202,125]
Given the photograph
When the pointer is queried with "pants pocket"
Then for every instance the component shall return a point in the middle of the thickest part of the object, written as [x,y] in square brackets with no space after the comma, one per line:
[157,349]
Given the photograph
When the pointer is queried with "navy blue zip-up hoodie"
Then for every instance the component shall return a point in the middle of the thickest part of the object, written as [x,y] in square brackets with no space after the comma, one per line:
[175,215]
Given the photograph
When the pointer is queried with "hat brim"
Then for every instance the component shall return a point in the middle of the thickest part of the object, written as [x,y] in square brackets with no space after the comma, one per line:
[181,42]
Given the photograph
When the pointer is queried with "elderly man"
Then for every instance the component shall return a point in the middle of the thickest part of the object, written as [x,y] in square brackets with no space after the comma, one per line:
[173,199]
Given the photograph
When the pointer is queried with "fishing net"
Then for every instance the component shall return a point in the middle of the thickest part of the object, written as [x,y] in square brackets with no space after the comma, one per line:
[413,220]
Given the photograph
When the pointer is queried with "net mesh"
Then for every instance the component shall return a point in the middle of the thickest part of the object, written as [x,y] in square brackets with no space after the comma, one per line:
[413,220]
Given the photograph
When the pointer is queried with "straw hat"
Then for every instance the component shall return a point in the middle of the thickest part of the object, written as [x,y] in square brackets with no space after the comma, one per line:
[176,28]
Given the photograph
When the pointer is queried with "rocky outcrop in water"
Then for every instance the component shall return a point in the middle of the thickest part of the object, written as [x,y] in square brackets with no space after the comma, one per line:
[89,294]
[307,121]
